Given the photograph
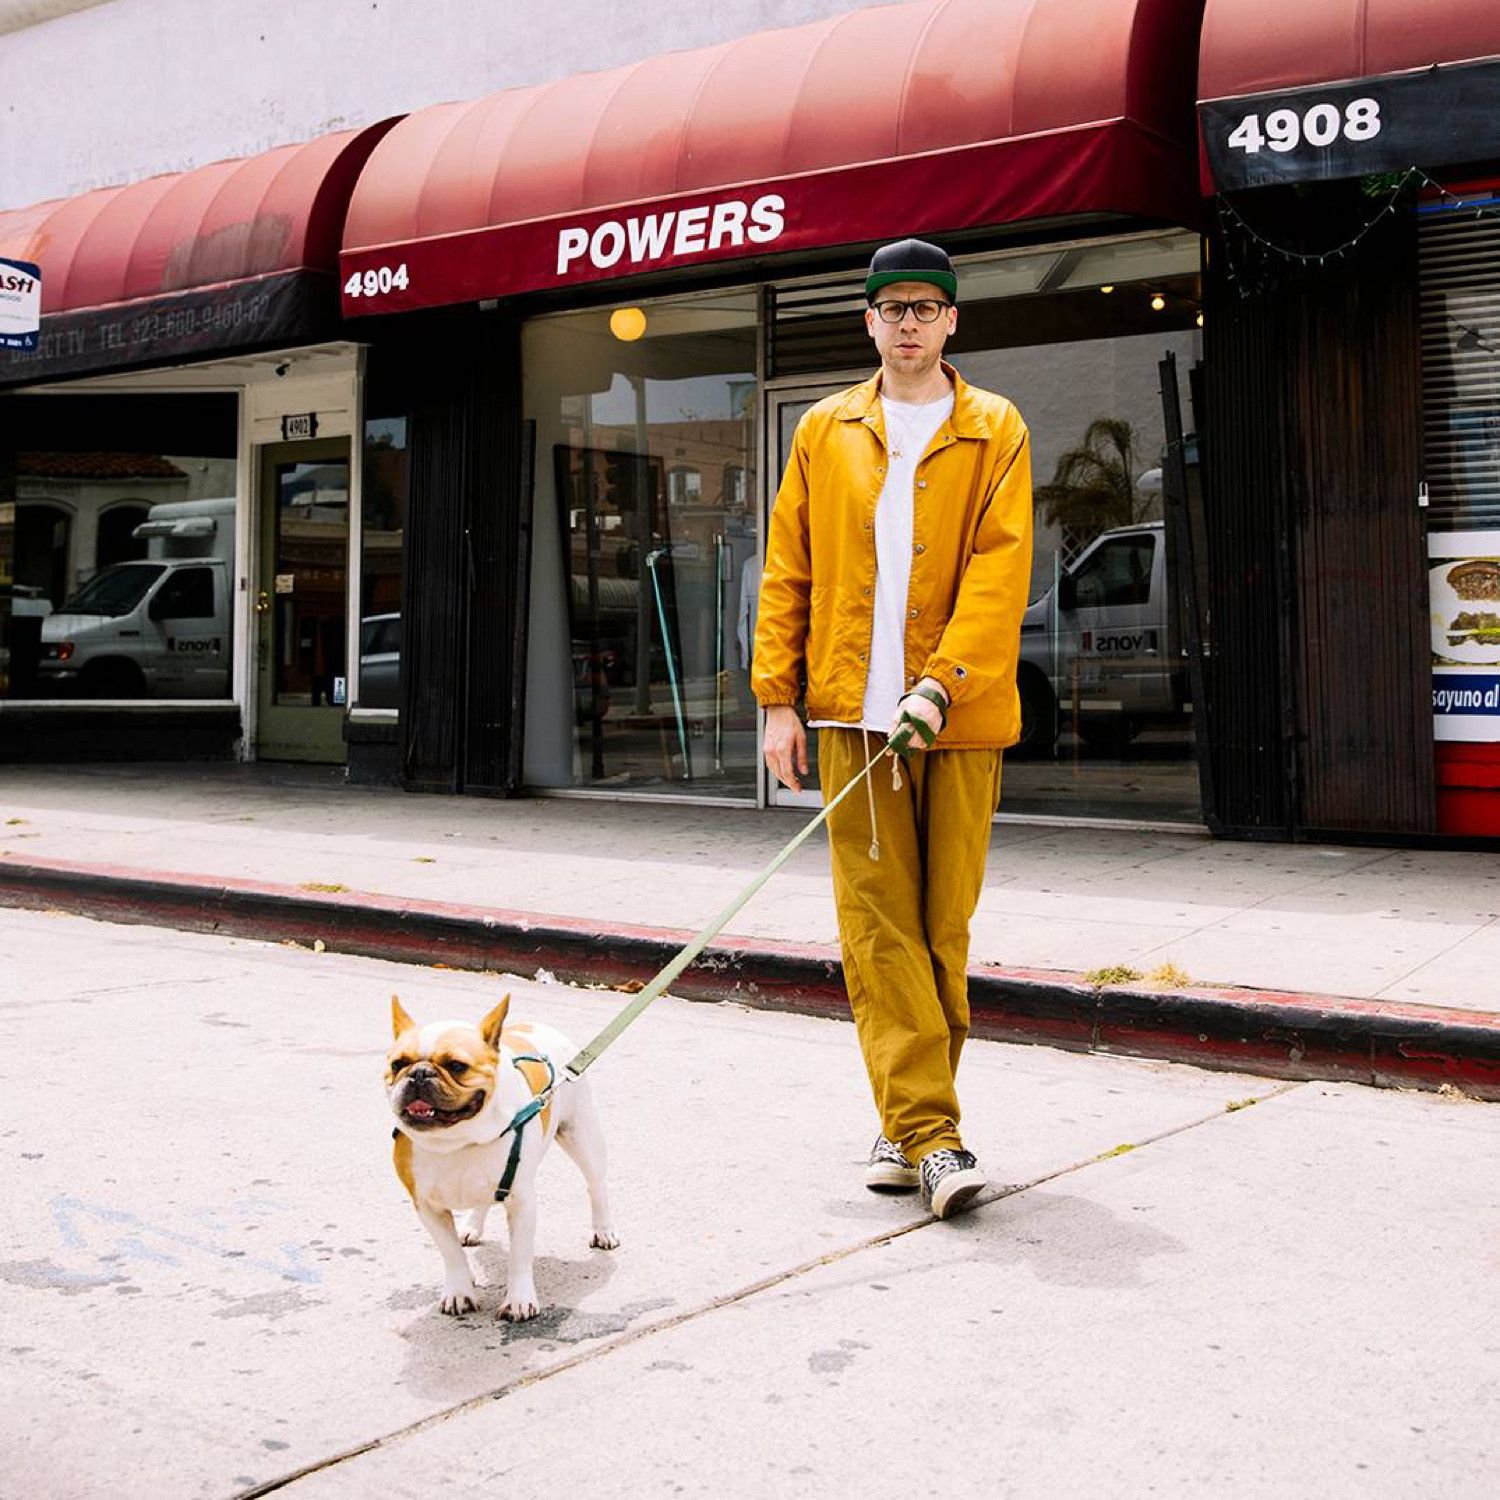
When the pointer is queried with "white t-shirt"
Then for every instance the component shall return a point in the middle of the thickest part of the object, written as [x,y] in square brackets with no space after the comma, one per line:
[908,430]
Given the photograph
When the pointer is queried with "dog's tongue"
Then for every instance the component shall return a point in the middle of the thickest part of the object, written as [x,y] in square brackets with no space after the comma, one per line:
[420,1109]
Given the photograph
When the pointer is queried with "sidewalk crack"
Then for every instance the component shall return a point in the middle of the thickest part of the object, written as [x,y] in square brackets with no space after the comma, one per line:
[1432,958]
[717,1304]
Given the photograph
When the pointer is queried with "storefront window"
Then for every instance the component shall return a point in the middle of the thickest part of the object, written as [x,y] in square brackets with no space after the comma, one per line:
[382,533]
[1074,337]
[117,534]
[637,678]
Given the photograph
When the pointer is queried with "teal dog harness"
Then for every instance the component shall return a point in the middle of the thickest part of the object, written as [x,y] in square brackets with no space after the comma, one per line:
[521,1119]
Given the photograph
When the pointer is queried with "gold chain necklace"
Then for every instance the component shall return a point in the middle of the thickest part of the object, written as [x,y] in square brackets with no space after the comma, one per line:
[898,432]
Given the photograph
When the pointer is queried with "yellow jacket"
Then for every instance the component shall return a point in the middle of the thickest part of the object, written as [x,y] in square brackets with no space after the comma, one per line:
[970,571]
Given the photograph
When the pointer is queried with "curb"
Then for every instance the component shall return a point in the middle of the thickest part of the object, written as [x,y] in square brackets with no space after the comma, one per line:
[1280,1035]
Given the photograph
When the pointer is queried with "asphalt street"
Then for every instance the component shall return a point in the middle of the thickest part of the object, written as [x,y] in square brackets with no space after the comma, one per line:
[1183,1283]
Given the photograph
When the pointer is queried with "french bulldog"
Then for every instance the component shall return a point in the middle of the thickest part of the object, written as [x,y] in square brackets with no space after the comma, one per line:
[454,1088]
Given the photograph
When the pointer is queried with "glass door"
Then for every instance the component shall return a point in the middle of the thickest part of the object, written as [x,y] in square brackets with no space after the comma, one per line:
[301,608]
[785,409]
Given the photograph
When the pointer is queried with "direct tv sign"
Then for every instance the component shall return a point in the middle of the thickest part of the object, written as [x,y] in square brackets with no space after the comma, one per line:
[20,304]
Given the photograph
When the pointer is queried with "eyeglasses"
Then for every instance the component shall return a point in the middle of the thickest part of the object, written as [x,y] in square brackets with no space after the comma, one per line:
[926,310]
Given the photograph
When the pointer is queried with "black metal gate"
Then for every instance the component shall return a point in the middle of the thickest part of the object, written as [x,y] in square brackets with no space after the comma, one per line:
[1319,682]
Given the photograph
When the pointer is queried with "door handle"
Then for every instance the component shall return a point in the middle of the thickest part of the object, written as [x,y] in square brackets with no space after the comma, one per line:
[262,603]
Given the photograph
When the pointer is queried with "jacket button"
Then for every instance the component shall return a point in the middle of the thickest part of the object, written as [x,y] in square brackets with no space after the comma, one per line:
[920,548]
[921,484]
[867,591]
[861,655]
[913,613]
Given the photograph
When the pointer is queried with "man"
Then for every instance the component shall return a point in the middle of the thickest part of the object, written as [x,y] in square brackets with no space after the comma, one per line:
[896,574]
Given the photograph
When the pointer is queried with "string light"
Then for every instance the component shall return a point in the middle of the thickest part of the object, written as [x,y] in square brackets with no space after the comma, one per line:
[1229,216]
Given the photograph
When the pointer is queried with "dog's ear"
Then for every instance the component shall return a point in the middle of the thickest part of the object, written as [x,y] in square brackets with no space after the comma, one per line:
[400,1021]
[494,1023]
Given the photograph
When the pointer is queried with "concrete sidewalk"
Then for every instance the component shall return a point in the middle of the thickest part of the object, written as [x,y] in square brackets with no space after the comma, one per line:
[1395,929]
[1180,1284]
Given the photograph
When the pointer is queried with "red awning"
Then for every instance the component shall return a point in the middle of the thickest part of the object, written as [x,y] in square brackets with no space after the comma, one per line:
[126,268]
[1341,88]
[930,117]
[1245,51]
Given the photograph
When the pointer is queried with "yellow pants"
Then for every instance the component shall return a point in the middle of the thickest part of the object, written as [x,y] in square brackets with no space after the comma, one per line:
[904,921]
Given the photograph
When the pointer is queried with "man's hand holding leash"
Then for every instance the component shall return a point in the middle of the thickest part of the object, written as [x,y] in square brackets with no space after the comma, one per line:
[921,716]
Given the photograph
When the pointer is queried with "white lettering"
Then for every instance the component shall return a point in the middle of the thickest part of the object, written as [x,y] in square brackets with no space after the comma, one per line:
[687,231]
[728,224]
[692,224]
[571,243]
[1455,700]
[766,218]
[608,244]
[648,237]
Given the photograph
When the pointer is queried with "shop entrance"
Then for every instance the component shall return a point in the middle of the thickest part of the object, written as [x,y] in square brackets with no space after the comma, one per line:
[301,603]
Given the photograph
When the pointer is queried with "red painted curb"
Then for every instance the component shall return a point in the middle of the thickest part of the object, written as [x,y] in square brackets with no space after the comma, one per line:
[1281,1034]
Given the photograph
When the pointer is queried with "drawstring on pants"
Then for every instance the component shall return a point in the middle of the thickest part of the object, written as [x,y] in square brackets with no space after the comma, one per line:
[870,794]
[870,790]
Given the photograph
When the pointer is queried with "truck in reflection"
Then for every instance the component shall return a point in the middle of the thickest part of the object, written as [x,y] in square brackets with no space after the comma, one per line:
[1101,650]
[154,628]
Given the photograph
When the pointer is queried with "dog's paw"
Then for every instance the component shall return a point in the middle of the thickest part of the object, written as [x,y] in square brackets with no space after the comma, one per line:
[604,1239]
[474,1234]
[458,1300]
[519,1305]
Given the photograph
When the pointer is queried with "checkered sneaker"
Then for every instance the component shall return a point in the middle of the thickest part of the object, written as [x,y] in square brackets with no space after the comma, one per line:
[889,1171]
[951,1180]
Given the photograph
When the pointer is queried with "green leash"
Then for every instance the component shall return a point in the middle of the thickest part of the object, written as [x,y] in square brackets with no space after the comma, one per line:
[898,744]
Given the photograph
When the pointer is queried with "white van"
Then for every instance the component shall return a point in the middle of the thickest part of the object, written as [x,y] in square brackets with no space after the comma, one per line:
[155,628]
[1102,649]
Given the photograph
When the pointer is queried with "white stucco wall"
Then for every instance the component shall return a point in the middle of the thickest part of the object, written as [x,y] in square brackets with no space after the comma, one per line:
[128,88]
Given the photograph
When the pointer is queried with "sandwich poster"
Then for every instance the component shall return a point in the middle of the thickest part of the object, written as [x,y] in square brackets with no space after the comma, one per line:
[1464,594]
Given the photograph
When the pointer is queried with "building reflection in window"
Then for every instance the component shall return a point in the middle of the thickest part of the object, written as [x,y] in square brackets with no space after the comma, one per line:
[117,534]
[642,533]
[382,537]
